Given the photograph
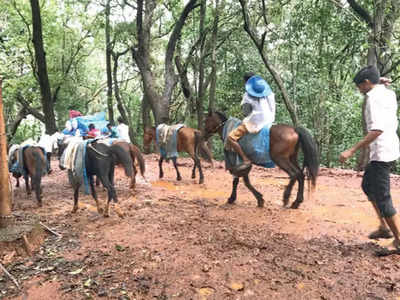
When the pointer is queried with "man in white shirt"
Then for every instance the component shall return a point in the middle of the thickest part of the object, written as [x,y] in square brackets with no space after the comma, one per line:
[123,130]
[258,105]
[383,142]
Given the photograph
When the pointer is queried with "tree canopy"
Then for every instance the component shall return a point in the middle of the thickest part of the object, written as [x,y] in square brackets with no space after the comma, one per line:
[152,61]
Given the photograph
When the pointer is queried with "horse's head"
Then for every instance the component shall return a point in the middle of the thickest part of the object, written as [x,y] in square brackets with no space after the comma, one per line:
[149,135]
[213,123]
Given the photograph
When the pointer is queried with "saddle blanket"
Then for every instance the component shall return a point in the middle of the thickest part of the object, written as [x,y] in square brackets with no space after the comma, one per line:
[254,145]
[166,138]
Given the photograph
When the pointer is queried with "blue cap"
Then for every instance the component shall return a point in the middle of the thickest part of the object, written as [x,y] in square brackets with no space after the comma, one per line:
[257,87]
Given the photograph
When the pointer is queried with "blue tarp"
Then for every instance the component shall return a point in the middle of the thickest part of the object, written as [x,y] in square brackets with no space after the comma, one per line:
[254,145]
[99,121]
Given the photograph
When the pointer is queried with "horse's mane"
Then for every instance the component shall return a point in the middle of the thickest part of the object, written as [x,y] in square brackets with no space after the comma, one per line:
[222,116]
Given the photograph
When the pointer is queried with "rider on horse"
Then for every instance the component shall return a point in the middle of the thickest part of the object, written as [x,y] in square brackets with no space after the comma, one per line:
[258,106]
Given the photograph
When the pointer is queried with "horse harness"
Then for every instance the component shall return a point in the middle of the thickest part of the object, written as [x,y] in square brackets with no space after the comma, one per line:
[217,127]
[97,151]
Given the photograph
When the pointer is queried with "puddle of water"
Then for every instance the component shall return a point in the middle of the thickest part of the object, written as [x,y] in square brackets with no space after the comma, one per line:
[164,184]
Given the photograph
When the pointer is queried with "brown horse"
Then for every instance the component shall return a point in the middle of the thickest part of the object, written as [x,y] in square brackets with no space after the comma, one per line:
[188,140]
[135,153]
[285,142]
[34,166]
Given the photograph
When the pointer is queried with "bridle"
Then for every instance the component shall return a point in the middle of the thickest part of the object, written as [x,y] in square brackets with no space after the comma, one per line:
[214,130]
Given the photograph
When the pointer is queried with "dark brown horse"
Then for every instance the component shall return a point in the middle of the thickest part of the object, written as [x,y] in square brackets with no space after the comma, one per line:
[34,167]
[285,142]
[100,160]
[188,140]
[135,154]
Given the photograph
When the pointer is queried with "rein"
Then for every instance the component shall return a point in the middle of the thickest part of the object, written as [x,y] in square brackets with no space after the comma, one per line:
[97,151]
[217,127]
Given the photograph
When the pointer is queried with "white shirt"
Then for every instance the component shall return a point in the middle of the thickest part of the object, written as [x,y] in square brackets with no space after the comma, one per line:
[123,132]
[262,114]
[381,114]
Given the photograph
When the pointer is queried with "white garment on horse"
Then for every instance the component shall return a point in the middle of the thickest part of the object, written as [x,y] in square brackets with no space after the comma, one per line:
[12,150]
[123,132]
[30,142]
[46,143]
[262,114]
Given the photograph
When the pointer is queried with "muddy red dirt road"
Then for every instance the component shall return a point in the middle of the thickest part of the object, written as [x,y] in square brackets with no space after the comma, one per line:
[179,240]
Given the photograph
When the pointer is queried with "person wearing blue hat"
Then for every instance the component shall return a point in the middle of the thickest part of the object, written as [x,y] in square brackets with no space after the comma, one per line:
[258,106]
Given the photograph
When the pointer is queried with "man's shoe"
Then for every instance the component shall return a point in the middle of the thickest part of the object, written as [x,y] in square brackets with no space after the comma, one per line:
[381,233]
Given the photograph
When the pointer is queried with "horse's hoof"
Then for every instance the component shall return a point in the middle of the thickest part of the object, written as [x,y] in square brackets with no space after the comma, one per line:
[106,215]
[179,178]
[285,202]
[231,201]
[260,203]
[201,181]
[74,210]
[295,205]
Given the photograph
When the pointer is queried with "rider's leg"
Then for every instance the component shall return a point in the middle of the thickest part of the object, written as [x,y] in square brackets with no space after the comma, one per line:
[233,139]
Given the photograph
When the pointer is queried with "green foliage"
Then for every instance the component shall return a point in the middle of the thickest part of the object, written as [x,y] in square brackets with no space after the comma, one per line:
[316,47]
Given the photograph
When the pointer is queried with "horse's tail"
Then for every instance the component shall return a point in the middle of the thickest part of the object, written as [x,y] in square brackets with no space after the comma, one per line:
[40,169]
[310,152]
[135,153]
[201,148]
[40,162]
[123,157]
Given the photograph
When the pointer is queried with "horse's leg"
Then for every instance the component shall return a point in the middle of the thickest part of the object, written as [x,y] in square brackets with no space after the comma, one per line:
[178,175]
[197,161]
[288,167]
[28,190]
[106,180]
[114,194]
[76,197]
[97,181]
[194,168]
[160,161]
[300,178]
[258,195]
[36,186]
[232,198]
[94,194]
[48,160]
[133,178]
[17,185]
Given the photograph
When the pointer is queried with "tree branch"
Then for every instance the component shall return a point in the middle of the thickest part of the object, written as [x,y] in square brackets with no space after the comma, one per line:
[361,12]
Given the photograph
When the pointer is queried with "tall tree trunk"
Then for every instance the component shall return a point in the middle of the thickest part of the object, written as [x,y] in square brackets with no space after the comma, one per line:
[108,66]
[141,54]
[200,96]
[213,75]
[40,56]
[145,109]
[5,201]
[120,106]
